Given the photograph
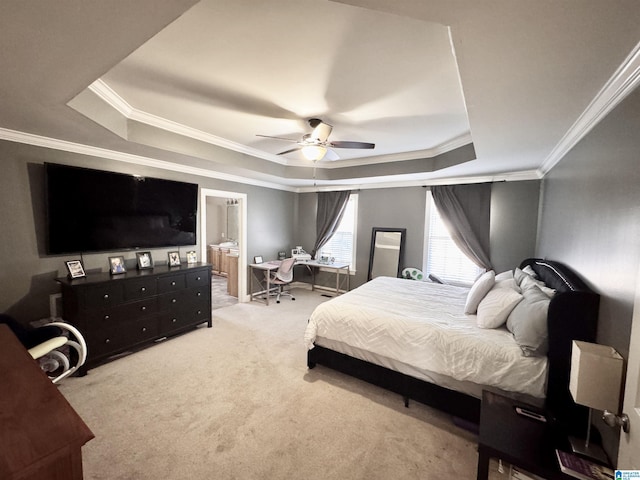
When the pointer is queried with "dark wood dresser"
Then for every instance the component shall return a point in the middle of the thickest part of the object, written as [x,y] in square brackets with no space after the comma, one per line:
[117,313]
[41,435]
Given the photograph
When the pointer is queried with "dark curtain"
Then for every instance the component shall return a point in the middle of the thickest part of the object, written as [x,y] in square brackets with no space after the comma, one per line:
[331,206]
[466,210]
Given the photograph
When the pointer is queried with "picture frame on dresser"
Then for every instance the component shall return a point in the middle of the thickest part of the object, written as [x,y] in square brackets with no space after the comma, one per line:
[116,265]
[144,260]
[173,259]
[192,257]
[75,268]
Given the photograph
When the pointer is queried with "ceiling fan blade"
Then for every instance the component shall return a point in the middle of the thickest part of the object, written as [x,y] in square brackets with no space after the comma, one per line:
[290,151]
[278,138]
[345,144]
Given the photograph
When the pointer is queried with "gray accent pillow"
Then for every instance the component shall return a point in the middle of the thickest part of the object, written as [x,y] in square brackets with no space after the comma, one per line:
[528,322]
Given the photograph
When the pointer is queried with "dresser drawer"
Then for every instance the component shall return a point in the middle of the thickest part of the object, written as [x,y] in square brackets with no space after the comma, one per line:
[171,301]
[104,342]
[199,278]
[141,330]
[103,295]
[170,283]
[140,288]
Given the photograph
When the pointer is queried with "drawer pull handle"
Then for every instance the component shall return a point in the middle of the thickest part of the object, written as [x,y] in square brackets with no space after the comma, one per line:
[106,295]
[173,300]
[173,284]
[198,278]
[107,341]
[144,329]
[107,317]
[174,320]
[143,308]
[199,312]
[143,289]
[199,294]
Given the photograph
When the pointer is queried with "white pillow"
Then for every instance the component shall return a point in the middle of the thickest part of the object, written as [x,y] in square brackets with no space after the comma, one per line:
[529,271]
[496,306]
[478,291]
[504,276]
[529,282]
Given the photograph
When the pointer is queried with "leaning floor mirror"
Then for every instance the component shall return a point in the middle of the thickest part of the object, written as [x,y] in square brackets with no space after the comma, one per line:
[387,250]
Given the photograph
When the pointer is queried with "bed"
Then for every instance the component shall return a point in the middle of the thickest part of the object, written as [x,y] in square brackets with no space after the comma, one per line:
[414,338]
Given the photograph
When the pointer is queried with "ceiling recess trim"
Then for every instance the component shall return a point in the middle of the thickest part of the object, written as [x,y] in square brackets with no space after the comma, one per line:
[625,79]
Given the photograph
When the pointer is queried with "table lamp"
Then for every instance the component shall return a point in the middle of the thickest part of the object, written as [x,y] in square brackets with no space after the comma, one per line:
[595,382]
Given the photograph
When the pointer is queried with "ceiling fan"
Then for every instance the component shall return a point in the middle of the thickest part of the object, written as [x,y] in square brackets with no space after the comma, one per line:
[315,145]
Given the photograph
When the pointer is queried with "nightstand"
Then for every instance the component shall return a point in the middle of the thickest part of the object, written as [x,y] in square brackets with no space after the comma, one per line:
[518,440]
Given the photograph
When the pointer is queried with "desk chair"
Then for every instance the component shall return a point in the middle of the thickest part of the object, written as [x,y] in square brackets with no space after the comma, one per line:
[58,346]
[283,276]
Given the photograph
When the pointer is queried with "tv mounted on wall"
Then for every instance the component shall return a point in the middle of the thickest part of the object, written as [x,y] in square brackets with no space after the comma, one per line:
[94,210]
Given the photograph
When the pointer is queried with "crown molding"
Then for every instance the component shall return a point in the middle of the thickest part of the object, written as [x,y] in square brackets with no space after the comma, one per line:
[625,79]
[111,97]
[106,93]
[502,177]
[63,145]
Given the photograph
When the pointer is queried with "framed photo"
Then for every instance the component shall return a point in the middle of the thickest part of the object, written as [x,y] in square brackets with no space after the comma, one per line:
[116,265]
[144,260]
[174,259]
[192,257]
[257,259]
[75,269]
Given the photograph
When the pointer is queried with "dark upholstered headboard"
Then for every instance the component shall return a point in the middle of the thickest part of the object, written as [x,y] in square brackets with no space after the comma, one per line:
[573,315]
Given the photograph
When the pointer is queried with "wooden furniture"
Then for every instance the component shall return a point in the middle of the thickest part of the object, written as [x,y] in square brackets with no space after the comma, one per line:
[572,314]
[121,312]
[218,257]
[41,435]
[232,279]
[518,440]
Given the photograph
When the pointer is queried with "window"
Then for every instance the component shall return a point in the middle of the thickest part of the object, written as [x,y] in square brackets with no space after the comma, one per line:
[444,258]
[342,245]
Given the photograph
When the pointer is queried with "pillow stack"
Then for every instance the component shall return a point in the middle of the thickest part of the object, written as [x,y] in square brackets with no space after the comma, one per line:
[516,299]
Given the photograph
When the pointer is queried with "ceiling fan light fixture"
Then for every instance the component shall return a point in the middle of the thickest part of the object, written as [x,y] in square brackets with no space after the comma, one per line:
[314,152]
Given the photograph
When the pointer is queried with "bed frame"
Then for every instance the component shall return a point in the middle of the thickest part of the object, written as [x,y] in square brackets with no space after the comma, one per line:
[573,315]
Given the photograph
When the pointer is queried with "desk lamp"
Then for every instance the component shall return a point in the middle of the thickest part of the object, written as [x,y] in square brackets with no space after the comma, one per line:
[595,382]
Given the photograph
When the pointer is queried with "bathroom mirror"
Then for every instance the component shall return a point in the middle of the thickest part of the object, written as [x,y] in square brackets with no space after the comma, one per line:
[233,222]
[387,250]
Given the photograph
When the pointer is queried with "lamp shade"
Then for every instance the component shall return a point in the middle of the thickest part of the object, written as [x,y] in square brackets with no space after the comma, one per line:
[314,152]
[596,375]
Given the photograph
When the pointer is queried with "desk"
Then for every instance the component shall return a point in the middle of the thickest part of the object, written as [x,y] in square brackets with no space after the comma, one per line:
[521,441]
[338,268]
[261,273]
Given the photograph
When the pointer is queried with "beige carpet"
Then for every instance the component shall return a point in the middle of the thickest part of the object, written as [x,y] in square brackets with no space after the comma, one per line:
[237,402]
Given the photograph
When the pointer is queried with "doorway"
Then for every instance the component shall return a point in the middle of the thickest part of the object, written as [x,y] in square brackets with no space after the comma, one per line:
[238,225]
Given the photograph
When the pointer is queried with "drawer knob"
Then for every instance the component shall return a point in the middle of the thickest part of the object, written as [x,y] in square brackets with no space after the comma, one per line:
[173,300]
[144,329]
[106,295]
[143,308]
[199,312]
[174,320]
[107,341]
[199,294]
[107,317]
[198,278]
[143,289]
[173,284]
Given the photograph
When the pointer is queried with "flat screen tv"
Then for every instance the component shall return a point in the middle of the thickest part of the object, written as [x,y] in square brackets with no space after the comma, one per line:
[93,210]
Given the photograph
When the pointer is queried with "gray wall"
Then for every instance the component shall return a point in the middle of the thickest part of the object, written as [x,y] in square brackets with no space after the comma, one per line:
[27,277]
[590,220]
[590,217]
[514,208]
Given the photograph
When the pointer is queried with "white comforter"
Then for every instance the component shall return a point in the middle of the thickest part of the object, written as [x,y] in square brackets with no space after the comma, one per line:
[423,325]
